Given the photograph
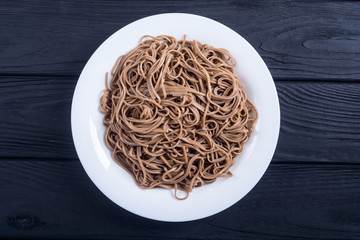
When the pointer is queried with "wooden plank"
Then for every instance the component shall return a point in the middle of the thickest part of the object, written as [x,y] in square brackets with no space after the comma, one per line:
[297,39]
[320,121]
[35,119]
[58,200]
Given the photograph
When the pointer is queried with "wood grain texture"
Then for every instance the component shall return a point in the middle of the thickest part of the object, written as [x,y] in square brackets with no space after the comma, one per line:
[35,119]
[297,39]
[320,122]
[58,200]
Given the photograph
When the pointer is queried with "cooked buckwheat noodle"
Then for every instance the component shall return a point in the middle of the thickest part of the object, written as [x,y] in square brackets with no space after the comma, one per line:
[176,113]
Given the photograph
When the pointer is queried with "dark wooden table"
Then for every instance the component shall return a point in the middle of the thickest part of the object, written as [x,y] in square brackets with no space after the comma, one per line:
[312,187]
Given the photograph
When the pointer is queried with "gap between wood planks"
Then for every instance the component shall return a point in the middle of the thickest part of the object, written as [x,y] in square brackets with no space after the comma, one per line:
[276,79]
[273,161]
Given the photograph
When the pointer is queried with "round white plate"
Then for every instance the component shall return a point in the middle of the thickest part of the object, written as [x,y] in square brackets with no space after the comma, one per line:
[160,204]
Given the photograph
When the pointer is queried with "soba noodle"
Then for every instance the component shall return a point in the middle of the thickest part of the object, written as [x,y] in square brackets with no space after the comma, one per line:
[176,113]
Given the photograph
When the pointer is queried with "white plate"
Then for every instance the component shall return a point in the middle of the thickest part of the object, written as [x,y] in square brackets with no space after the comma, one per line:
[160,204]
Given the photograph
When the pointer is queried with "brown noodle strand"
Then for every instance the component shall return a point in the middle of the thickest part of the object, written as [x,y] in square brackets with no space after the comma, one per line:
[176,113]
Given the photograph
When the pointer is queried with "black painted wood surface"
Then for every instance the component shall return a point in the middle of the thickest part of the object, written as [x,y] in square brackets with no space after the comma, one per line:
[297,39]
[312,187]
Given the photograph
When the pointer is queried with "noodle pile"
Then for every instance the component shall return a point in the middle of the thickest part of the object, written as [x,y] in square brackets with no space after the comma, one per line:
[176,113]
